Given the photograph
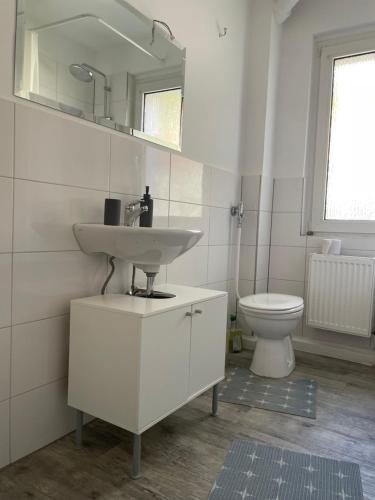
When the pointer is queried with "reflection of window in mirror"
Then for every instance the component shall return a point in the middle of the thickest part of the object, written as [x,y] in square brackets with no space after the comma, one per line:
[155,105]
[162,114]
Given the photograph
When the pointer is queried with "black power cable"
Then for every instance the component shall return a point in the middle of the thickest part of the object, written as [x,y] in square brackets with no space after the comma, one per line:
[112,264]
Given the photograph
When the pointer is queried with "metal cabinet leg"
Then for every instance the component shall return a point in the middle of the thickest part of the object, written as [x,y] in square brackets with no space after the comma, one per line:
[137,451]
[79,427]
[215,392]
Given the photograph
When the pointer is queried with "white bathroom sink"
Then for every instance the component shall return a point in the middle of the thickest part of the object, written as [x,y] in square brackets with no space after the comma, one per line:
[146,248]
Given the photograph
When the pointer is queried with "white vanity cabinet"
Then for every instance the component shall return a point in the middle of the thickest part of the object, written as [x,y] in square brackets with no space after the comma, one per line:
[133,361]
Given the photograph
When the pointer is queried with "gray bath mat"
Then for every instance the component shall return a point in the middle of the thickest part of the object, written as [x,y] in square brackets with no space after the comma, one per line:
[256,471]
[296,397]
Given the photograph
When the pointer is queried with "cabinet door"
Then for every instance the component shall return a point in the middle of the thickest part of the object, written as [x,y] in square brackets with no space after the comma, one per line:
[164,371]
[208,344]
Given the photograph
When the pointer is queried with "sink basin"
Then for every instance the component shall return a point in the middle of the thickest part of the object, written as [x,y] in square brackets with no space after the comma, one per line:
[146,247]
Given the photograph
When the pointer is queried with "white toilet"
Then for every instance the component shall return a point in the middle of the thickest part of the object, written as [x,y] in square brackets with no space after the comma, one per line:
[272,317]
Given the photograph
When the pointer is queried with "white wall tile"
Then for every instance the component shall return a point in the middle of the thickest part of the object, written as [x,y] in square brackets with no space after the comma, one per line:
[266,193]
[251,191]
[160,213]
[6,137]
[261,286]
[189,216]
[189,269]
[232,298]
[221,223]
[5,289]
[55,149]
[6,214]
[190,181]
[4,364]
[249,228]
[286,230]
[262,262]
[44,283]
[247,262]
[287,287]
[219,285]
[264,230]
[225,189]
[288,195]
[220,263]
[39,417]
[245,287]
[39,353]
[4,434]
[287,263]
[135,165]
[45,213]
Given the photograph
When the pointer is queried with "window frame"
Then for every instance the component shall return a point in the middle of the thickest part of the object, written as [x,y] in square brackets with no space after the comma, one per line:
[328,52]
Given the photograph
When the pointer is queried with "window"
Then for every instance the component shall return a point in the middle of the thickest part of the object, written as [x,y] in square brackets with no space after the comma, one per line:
[344,176]
[162,115]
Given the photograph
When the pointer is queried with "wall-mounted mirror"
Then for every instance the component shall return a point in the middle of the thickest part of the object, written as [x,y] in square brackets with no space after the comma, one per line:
[103,61]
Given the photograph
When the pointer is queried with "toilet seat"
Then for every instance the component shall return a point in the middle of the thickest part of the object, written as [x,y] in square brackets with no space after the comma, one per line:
[271,304]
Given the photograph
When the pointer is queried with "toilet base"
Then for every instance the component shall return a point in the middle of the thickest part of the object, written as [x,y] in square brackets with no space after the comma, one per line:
[273,358]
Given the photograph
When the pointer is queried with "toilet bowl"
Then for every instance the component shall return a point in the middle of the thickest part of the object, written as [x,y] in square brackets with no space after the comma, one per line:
[272,317]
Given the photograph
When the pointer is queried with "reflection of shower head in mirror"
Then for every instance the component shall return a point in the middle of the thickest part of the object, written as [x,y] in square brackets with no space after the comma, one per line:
[81,73]
[86,73]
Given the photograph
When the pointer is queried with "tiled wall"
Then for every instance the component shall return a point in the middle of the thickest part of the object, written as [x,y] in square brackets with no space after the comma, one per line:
[289,252]
[55,171]
[256,230]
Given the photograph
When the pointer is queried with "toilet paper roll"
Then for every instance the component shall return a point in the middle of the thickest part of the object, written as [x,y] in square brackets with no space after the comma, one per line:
[331,247]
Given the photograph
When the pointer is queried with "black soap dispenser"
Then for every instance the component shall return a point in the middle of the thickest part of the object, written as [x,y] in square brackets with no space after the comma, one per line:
[145,219]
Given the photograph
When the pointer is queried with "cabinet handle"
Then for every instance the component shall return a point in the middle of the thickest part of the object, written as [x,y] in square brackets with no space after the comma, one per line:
[198,311]
[189,314]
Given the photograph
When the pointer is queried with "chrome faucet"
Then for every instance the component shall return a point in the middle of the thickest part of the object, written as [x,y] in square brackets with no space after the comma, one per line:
[132,212]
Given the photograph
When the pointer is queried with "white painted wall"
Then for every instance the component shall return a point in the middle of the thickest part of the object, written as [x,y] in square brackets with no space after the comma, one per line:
[260,87]
[309,18]
[214,71]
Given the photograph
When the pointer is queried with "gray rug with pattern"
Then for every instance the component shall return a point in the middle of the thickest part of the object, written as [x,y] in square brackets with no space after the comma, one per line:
[256,471]
[297,397]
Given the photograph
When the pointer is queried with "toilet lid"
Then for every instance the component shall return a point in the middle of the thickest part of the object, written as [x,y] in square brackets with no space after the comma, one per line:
[272,302]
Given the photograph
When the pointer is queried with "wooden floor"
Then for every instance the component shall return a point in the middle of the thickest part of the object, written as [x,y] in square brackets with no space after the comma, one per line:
[182,454]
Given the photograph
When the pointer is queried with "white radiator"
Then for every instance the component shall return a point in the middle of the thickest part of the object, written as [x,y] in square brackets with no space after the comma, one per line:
[340,295]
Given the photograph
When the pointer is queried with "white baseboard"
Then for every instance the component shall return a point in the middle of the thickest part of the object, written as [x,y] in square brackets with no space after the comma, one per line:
[353,354]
